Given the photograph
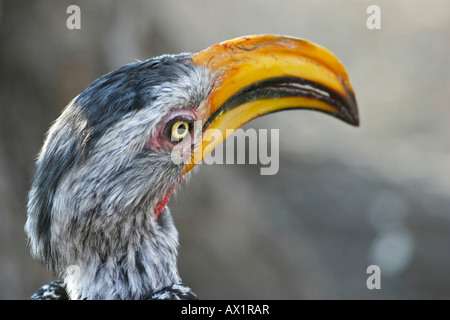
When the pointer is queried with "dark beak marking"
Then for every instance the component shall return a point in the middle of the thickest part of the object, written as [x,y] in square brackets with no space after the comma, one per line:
[284,87]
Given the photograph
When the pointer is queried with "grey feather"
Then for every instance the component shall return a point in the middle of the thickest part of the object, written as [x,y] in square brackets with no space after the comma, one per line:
[91,204]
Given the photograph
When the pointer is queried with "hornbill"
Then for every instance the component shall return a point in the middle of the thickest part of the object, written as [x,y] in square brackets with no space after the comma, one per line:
[96,212]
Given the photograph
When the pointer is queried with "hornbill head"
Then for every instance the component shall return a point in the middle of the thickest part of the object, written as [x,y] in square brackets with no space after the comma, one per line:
[110,162]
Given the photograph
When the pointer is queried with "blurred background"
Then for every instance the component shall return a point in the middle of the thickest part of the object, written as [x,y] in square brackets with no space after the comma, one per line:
[344,198]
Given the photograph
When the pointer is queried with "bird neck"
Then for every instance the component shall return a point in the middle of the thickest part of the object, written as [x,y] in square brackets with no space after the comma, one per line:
[133,272]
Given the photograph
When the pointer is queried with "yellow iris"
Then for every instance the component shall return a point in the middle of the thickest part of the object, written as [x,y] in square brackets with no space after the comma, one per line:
[180,129]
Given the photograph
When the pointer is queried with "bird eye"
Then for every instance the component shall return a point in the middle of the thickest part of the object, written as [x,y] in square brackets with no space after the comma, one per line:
[180,129]
[177,128]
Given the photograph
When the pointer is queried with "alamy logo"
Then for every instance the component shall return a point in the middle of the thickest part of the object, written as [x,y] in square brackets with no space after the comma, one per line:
[233,149]
[374,20]
[73,271]
[74,20]
[374,280]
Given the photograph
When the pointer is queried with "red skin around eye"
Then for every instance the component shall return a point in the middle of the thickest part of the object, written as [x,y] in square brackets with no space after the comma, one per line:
[159,140]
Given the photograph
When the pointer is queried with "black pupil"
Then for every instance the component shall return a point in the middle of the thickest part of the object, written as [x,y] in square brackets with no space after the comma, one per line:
[181,129]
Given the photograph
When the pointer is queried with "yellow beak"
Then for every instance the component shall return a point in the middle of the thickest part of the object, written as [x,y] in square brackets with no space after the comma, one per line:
[257,75]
